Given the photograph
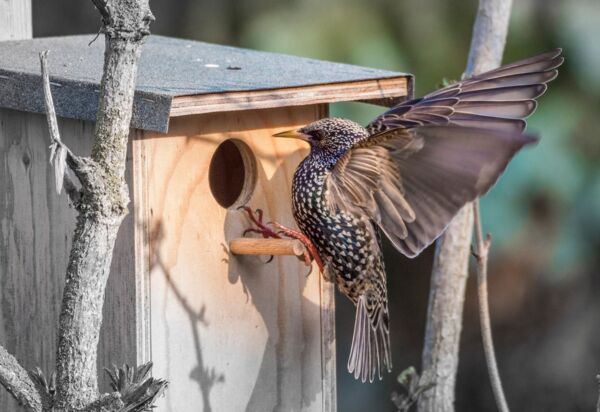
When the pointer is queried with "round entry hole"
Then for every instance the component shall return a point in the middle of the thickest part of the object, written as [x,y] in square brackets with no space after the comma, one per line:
[232,173]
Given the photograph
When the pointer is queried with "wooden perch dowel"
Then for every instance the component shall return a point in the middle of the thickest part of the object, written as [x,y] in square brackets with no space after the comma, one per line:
[275,247]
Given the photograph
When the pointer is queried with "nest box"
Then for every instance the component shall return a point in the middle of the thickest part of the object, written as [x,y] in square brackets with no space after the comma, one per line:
[229,332]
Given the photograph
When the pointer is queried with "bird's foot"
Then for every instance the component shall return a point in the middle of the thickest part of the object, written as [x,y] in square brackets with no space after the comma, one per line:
[311,250]
[256,217]
[263,229]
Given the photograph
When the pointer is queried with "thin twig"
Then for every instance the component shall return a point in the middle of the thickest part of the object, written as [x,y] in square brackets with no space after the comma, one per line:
[59,152]
[102,7]
[50,111]
[482,248]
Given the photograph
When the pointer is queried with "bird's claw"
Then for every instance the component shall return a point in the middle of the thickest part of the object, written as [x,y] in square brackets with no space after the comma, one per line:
[256,218]
[310,253]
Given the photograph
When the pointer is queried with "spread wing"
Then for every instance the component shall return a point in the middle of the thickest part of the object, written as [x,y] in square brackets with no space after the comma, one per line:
[427,157]
[498,99]
[411,182]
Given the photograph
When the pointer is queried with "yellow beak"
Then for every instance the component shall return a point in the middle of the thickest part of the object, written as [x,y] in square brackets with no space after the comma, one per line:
[293,134]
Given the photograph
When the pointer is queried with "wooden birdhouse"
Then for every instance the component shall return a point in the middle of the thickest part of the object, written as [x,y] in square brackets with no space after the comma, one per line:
[229,332]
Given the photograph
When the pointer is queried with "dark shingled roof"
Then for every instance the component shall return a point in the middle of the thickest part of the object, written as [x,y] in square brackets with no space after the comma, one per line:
[169,68]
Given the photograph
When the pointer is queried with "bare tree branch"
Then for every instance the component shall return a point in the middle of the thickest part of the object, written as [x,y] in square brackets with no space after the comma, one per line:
[18,383]
[489,36]
[482,248]
[449,275]
[444,315]
[102,207]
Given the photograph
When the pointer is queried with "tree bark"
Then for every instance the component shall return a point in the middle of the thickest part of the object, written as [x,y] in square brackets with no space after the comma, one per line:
[18,383]
[489,36]
[445,312]
[450,269]
[103,204]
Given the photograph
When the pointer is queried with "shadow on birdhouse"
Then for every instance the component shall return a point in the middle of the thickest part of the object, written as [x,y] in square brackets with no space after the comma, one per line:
[229,332]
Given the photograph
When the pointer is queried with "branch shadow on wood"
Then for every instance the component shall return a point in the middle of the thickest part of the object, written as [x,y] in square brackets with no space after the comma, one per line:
[276,289]
[206,377]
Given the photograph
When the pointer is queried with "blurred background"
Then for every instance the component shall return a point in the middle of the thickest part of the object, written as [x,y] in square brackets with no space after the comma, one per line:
[544,213]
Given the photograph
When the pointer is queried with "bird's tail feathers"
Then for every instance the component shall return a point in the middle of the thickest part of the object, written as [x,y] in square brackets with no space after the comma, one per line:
[370,352]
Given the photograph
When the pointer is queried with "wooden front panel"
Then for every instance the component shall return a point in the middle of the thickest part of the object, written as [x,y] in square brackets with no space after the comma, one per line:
[36,227]
[229,333]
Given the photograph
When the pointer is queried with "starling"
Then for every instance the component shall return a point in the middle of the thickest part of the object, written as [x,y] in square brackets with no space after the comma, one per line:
[407,174]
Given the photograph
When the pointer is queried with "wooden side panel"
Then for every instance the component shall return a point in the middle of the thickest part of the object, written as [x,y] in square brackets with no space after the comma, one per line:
[230,333]
[36,227]
[15,20]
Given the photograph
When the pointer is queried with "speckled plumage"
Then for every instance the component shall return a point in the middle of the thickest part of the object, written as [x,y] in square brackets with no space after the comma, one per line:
[407,173]
[347,243]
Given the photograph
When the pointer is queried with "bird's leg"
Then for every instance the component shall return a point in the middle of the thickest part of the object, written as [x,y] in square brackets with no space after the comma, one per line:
[256,217]
[260,228]
[311,249]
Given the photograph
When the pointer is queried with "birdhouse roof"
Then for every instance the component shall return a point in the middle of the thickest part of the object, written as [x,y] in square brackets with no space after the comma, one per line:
[181,77]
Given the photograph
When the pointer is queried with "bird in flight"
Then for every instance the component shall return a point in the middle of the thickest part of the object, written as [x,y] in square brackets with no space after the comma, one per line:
[406,174]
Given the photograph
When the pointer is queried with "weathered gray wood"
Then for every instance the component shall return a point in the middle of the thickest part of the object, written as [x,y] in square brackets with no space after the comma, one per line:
[449,274]
[35,236]
[15,24]
[15,20]
[36,226]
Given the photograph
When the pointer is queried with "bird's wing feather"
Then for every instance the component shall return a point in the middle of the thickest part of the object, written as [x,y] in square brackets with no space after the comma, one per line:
[411,182]
[427,157]
[499,98]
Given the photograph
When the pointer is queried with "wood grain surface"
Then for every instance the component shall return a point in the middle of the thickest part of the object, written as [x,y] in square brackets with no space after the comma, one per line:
[36,227]
[15,20]
[266,247]
[382,91]
[230,333]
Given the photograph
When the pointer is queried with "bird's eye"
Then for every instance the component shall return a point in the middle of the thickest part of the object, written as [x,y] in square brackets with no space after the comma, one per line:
[316,135]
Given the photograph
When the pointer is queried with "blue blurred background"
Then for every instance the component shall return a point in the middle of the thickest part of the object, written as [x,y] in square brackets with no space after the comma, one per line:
[544,214]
